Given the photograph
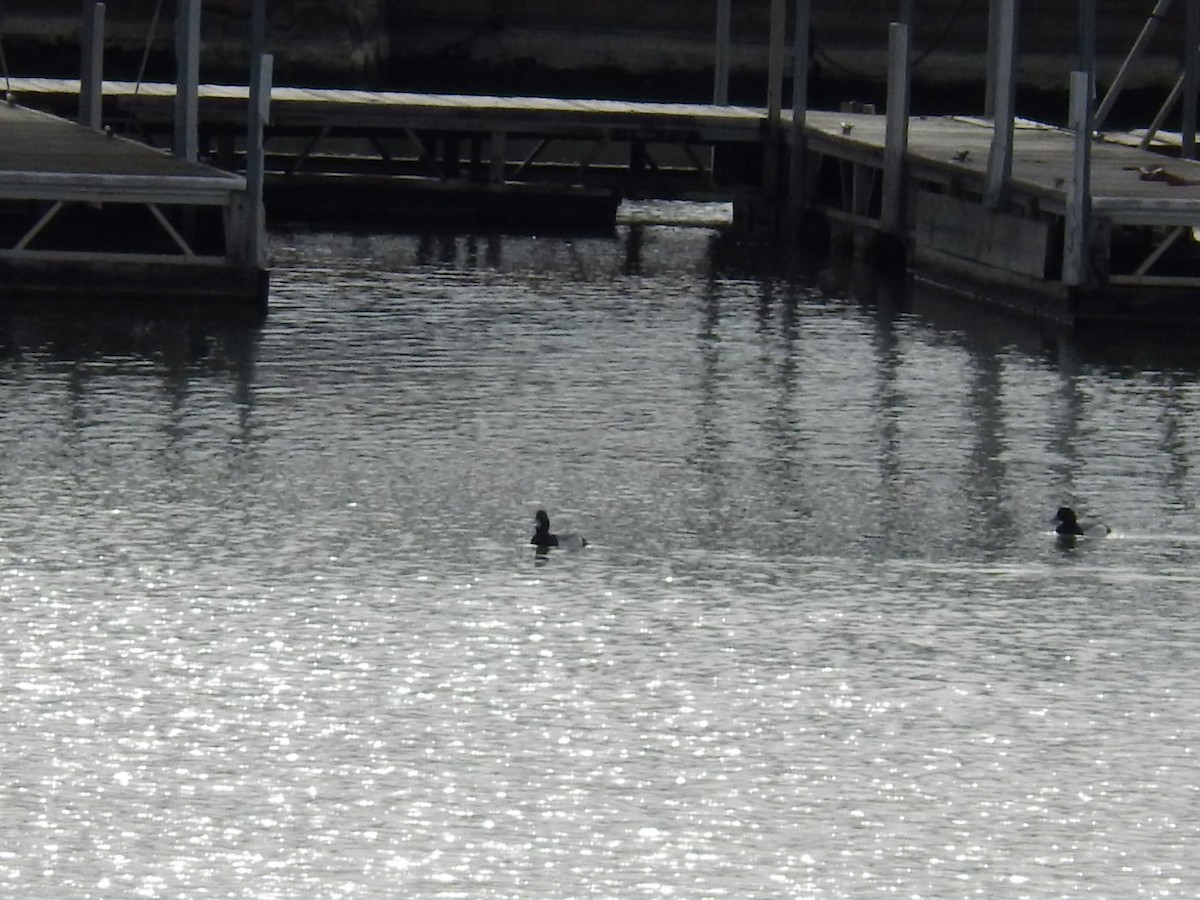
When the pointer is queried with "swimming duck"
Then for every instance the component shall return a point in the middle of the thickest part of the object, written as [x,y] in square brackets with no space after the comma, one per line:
[544,539]
[1066,523]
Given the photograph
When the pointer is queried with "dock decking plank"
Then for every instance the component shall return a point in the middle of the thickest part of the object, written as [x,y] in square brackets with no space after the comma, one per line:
[1042,158]
[35,143]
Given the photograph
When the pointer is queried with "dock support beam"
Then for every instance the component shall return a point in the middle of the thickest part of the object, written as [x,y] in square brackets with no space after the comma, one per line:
[891,211]
[1076,240]
[721,56]
[1118,84]
[999,170]
[187,80]
[91,79]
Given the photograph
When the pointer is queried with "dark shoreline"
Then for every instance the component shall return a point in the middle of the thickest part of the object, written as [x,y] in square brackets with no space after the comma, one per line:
[827,90]
[545,48]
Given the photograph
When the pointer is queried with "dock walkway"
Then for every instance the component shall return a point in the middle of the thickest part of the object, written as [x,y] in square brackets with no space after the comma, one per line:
[293,107]
[1144,205]
[578,151]
[81,209]
[1140,252]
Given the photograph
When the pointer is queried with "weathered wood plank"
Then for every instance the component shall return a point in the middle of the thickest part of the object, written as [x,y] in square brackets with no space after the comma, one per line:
[34,142]
[970,231]
[86,187]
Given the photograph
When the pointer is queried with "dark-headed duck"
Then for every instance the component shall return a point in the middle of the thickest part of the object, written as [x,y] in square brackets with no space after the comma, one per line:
[1067,524]
[543,538]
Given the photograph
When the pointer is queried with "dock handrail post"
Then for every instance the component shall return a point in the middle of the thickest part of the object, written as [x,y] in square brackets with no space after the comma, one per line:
[1077,225]
[891,209]
[91,80]
[799,101]
[999,168]
[259,115]
[721,53]
[187,80]
[1191,80]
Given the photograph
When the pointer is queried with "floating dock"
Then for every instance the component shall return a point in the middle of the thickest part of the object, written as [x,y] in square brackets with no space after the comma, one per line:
[1063,223]
[378,154]
[1141,259]
[86,213]
[342,150]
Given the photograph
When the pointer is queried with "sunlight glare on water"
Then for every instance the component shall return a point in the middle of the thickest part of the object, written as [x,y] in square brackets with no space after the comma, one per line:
[271,626]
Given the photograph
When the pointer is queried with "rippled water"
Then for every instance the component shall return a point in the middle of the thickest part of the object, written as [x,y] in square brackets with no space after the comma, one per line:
[270,625]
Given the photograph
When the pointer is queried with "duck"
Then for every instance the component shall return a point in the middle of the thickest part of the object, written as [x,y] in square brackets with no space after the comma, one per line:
[543,538]
[1066,523]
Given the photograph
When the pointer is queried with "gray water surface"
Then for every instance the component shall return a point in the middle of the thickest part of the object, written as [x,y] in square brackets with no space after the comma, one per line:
[270,626]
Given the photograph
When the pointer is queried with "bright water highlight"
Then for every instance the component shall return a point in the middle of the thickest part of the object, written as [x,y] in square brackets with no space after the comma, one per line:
[270,625]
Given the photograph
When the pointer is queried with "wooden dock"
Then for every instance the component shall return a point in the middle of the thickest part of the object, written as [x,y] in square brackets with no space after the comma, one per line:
[349,148]
[1142,261]
[438,149]
[84,212]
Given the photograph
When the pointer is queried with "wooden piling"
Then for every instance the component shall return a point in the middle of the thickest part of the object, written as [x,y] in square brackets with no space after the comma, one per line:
[891,214]
[1003,104]
[91,79]
[800,49]
[1077,226]
[187,80]
[721,61]
[773,140]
